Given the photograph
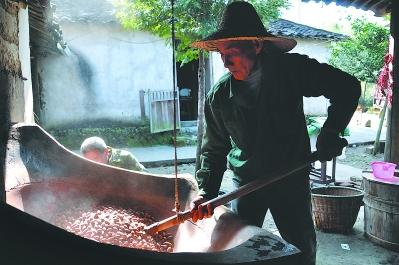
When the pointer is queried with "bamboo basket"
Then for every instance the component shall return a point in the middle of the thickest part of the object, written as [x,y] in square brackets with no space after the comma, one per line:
[335,209]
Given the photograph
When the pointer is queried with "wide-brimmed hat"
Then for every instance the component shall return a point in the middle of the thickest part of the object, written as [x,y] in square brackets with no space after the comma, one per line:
[241,22]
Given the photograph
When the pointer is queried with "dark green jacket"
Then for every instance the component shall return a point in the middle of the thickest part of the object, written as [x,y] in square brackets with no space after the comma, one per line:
[124,159]
[269,133]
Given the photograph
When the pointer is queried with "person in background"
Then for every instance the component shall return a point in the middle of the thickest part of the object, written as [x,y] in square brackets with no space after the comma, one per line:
[94,148]
[255,124]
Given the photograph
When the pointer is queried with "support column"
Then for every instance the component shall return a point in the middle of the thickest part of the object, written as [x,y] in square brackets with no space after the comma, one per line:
[392,139]
[12,107]
[201,104]
[4,129]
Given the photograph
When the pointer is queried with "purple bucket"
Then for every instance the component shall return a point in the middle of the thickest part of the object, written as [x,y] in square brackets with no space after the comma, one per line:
[383,170]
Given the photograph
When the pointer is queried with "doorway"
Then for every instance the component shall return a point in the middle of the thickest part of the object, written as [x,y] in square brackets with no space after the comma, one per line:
[187,83]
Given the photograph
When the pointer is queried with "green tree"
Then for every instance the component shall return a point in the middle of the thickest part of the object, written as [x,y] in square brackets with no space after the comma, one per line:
[194,19]
[363,57]
[363,54]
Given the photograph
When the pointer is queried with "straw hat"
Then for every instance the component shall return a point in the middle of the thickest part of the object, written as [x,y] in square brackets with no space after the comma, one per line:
[241,22]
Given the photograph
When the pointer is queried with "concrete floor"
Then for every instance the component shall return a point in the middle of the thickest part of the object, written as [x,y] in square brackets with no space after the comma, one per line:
[361,250]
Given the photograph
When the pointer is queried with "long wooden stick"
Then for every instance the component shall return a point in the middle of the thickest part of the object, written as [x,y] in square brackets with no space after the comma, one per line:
[241,191]
[376,148]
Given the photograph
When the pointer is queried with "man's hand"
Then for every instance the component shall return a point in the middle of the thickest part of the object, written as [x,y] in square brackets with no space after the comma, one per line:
[329,144]
[198,211]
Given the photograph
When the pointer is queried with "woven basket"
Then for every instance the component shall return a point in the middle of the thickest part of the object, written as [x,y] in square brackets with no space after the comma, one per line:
[335,209]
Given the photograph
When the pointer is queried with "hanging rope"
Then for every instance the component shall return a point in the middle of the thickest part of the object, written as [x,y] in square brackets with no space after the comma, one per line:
[177,200]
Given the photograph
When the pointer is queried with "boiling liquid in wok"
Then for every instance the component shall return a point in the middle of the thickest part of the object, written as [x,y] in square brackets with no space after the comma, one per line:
[115,225]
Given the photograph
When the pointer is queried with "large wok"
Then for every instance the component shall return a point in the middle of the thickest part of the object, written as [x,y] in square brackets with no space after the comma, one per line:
[43,179]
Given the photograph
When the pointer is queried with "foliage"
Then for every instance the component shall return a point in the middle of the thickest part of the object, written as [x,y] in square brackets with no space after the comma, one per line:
[363,54]
[118,136]
[194,19]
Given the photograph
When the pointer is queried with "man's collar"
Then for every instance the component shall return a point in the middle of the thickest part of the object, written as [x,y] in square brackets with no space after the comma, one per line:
[258,67]
[230,87]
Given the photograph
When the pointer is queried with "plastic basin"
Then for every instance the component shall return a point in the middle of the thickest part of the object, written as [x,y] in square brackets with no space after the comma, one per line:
[383,170]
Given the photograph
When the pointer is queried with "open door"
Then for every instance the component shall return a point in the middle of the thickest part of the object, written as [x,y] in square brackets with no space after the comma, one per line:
[187,82]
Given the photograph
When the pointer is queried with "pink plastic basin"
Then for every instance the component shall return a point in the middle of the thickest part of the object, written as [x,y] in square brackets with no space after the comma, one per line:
[383,170]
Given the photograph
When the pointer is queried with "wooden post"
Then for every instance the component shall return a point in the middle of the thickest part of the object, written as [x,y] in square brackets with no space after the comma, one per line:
[9,80]
[37,87]
[377,138]
[392,139]
[4,129]
[142,105]
[201,104]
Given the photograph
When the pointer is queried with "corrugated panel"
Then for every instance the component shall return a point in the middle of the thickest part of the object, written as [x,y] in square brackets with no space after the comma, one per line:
[161,111]
[379,7]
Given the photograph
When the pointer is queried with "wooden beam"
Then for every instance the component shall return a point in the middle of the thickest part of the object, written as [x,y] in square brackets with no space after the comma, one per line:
[392,139]
[142,104]
[201,104]
[4,128]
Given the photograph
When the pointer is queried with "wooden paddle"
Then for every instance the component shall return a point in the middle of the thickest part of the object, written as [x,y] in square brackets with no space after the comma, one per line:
[221,200]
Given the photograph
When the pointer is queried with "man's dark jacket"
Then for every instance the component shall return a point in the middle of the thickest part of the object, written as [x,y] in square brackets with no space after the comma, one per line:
[269,133]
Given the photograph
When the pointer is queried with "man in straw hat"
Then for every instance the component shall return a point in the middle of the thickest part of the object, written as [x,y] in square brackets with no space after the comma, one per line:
[254,118]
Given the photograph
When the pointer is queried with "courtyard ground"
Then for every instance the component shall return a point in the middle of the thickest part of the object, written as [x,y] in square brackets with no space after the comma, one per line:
[356,248]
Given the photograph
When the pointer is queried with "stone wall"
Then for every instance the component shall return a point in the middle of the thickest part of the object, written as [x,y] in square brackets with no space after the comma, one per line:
[10,65]
[11,82]
[15,86]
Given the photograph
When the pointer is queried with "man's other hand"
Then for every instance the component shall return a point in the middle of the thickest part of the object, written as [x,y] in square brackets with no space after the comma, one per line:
[199,211]
[329,144]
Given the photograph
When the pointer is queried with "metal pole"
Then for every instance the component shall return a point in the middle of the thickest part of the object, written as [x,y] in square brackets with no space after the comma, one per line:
[177,199]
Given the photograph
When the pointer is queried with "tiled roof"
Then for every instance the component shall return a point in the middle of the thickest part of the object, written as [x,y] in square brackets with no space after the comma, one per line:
[286,28]
[45,32]
[94,11]
[379,7]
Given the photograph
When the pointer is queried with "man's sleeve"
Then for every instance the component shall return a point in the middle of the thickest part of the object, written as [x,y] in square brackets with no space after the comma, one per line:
[320,79]
[214,149]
